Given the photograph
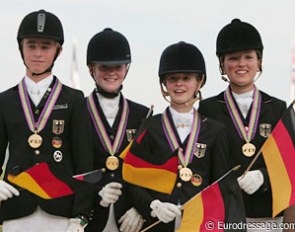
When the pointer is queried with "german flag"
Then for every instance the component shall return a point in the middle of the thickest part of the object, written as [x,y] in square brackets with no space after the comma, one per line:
[47,181]
[212,205]
[207,206]
[139,168]
[279,156]
[158,177]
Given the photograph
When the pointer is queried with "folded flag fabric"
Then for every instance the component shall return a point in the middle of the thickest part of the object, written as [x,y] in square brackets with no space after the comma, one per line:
[208,206]
[139,171]
[139,167]
[47,181]
[279,156]
[125,151]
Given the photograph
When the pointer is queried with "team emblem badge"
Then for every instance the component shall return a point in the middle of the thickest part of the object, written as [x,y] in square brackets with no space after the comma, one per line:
[57,156]
[56,142]
[58,126]
[264,129]
[200,150]
[196,180]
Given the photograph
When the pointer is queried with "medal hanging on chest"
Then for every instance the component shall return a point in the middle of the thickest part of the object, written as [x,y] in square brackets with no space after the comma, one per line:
[245,133]
[112,162]
[35,140]
[185,173]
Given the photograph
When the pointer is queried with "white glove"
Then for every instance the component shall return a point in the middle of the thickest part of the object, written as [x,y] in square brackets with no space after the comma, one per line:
[110,193]
[75,226]
[7,191]
[251,182]
[131,221]
[166,212]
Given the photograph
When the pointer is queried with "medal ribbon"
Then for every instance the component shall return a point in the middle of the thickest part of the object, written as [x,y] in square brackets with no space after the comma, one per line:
[100,129]
[47,109]
[186,158]
[255,111]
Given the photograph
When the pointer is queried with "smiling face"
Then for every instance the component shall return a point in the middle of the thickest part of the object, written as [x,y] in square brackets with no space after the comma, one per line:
[182,88]
[241,68]
[109,77]
[39,54]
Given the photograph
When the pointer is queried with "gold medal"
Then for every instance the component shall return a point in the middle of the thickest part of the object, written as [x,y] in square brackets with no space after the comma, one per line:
[185,174]
[112,163]
[248,149]
[35,140]
[196,180]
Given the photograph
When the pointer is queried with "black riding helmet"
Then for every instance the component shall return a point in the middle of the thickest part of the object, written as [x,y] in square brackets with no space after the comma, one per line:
[182,57]
[41,24]
[238,36]
[108,47]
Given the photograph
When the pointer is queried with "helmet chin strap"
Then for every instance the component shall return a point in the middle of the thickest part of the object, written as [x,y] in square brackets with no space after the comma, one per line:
[41,73]
[225,79]
[105,93]
[108,94]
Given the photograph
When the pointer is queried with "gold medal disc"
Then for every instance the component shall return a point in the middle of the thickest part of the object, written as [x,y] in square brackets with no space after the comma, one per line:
[35,140]
[248,149]
[112,163]
[185,174]
[196,180]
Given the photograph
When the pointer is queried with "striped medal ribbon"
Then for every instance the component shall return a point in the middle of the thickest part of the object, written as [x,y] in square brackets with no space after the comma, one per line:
[246,133]
[35,140]
[185,173]
[112,162]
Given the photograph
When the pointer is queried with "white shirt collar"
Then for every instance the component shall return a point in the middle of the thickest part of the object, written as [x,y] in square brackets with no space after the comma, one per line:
[180,118]
[37,90]
[183,122]
[110,107]
[243,95]
[43,84]
[244,101]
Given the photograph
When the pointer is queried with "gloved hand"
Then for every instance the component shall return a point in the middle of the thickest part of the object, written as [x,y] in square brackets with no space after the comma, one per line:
[110,193]
[131,221]
[166,212]
[251,182]
[7,191]
[75,225]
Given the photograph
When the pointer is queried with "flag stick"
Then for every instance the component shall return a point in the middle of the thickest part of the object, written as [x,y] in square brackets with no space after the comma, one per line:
[150,226]
[251,164]
[150,111]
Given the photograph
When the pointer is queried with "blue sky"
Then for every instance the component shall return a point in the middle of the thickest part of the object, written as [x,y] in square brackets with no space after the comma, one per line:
[150,26]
